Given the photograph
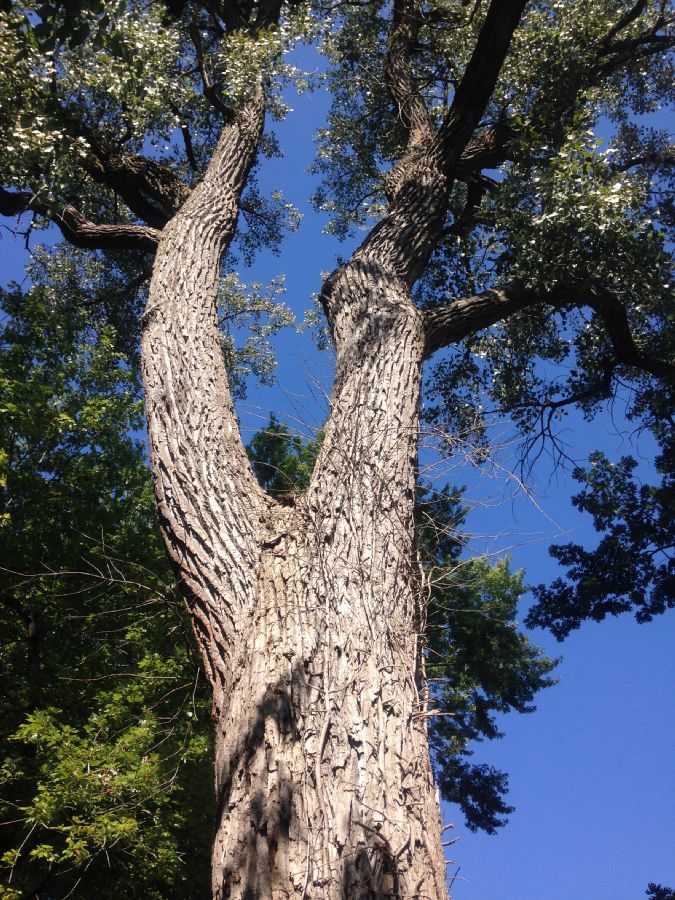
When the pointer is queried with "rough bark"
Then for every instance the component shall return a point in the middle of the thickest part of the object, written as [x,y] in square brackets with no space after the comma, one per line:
[208,501]
[323,768]
[308,616]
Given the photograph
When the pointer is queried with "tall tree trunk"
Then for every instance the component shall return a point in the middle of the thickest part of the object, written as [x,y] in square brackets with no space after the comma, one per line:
[323,767]
[307,614]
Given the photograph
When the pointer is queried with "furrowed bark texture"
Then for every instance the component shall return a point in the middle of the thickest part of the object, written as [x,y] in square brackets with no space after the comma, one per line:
[307,614]
[209,503]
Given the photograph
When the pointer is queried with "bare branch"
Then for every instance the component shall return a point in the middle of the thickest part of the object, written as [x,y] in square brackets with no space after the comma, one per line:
[542,437]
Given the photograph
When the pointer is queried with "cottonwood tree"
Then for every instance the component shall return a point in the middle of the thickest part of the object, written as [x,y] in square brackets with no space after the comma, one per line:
[462,136]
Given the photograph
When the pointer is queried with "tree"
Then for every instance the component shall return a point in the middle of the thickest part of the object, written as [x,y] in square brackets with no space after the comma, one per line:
[659,892]
[106,763]
[632,567]
[308,610]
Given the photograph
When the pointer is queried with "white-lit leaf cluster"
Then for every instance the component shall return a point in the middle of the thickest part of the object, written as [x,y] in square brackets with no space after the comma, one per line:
[250,316]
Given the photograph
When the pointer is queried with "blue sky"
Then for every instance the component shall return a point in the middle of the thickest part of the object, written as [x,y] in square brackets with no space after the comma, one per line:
[591,771]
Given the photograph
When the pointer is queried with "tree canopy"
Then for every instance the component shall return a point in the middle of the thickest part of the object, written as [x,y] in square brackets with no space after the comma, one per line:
[542,274]
[562,201]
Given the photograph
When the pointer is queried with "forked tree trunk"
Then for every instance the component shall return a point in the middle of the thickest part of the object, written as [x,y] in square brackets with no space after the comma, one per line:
[323,768]
[307,614]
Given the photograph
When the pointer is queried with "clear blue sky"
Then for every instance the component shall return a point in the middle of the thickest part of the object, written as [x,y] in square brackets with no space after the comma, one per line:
[591,771]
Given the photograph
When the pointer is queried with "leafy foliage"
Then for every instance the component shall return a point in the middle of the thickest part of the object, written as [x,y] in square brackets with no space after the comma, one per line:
[282,461]
[90,85]
[254,312]
[632,568]
[561,209]
[104,726]
[478,662]
[659,892]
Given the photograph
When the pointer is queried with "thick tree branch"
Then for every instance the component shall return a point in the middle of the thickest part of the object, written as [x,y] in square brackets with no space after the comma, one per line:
[187,140]
[665,43]
[614,317]
[487,150]
[196,450]
[611,57]
[649,158]
[418,186]
[478,82]
[465,221]
[152,191]
[268,13]
[80,231]
[624,21]
[451,323]
[221,10]
[656,38]
[412,108]
[231,12]
[175,7]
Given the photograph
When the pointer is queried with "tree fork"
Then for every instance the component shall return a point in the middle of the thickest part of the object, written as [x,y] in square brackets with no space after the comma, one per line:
[323,768]
[307,618]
